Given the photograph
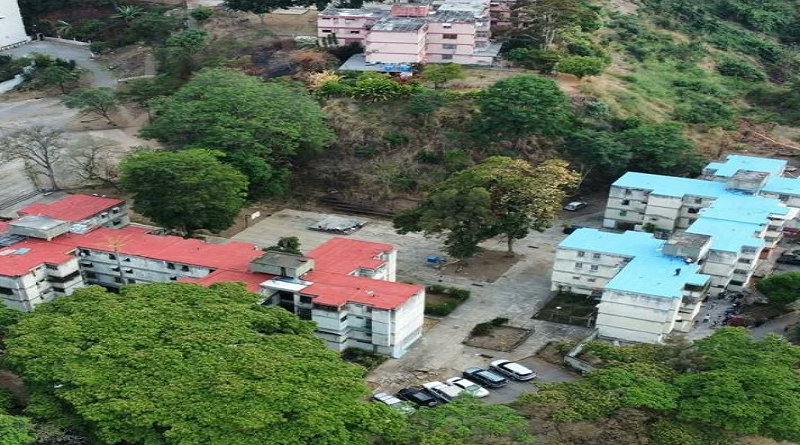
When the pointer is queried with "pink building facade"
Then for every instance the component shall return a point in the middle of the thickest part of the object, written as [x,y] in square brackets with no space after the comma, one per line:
[453,31]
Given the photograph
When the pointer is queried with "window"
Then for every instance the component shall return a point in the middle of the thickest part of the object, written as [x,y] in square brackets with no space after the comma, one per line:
[131,281]
[84,252]
[592,280]
[111,256]
[769,239]
[90,275]
[368,324]
[115,269]
[447,25]
[693,210]
[770,228]
[748,249]
[6,291]
[65,278]
[481,34]
[355,32]
[783,197]
[58,289]
[117,222]
[115,210]
[450,36]
[170,266]
[449,46]
[581,254]
[447,57]
[740,271]
[173,278]
[579,265]
[745,260]
[128,270]
[736,283]
[576,278]
[626,202]
[117,280]
[326,31]
[86,264]
[698,200]
[185,268]
[51,266]
[127,260]
[596,256]
[305,299]
[304,314]
[593,268]
[628,192]
[623,213]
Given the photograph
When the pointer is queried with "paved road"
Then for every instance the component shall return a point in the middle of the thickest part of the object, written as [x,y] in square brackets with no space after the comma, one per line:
[101,77]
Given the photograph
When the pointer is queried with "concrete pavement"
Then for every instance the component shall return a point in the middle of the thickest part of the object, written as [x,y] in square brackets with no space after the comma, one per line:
[101,77]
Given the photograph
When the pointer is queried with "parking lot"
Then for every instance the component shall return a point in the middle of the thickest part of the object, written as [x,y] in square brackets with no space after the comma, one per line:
[439,355]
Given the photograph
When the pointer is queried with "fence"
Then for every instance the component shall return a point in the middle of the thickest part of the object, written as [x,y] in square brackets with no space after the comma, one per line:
[572,359]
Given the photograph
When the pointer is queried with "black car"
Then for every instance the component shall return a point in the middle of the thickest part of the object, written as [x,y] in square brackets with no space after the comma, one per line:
[485,377]
[567,230]
[418,396]
[789,258]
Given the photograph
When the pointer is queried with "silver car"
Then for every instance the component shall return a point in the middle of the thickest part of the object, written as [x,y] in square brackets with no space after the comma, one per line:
[468,386]
[513,370]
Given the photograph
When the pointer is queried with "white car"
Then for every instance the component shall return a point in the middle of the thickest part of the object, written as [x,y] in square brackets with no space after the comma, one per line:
[394,402]
[513,370]
[442,391]
[575,206]
[469,387]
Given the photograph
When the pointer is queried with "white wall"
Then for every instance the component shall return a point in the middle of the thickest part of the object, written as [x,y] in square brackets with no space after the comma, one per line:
[12,30]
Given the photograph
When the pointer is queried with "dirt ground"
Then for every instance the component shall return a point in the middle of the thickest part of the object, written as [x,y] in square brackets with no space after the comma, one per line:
[249,26]
[487,266]
[502,338]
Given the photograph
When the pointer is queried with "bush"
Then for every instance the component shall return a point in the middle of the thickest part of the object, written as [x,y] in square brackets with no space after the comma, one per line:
[705,111]
[499,321]
[367,359]
[334,89]
[581,66]
[740,70]
[457,296]
[201,14]
[436,289]
[374,87]
[535,59]
[481,329]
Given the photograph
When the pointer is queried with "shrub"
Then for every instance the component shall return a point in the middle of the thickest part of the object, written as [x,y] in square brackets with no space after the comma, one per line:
[334,89]
[535,59]
[499,321]
[201,14]
[374,87]
[367,359]
[581,66]
[481,329]
[436,289]
[740,70]
[459,294]
[705,111]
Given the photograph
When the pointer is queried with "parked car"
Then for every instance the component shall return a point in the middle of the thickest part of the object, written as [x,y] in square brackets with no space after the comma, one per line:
[485,377]
[469,387]
[567,230]
[575,206]
[445,392]
[393,402]
[789,258]
[513,370]
[418,396]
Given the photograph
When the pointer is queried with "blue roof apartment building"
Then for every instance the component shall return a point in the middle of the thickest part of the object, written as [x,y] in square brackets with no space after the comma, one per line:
[715,230]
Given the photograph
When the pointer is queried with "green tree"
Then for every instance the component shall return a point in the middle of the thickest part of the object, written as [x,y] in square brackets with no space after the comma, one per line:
[542,20]
[581,66]
[441,73]
[425,103]
[8,317]
[187,189]
[151,27]
[661,149]
[259,126]
[523,106]
[202,13]
[176,363]
[466,421]
[15,430]
[596,152]
[127,13]
[102,101]
[499,196]
[141,91]
[180,55]
[744,385]
[58,75]
[781,289]
[289,244]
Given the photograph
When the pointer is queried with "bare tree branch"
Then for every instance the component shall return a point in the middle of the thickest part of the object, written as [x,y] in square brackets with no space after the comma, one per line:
[38,147]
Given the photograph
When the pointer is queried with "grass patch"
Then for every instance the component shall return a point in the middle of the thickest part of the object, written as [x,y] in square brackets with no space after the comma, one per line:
[442,300]
[367,359]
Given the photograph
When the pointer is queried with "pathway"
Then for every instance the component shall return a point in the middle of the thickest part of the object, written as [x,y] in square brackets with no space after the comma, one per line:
[101,77]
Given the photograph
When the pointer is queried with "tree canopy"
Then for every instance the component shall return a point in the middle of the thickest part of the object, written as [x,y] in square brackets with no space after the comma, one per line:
[661,149]
[499,196]
[260,126]
[781,289]
[187,189]
[440,73]
[176,363]
[523,106]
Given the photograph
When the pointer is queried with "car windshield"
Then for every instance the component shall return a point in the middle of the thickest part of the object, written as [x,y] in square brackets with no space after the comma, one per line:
[491,376]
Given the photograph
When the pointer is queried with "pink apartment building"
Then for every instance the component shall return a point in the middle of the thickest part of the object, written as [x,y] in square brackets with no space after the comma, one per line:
[455,31]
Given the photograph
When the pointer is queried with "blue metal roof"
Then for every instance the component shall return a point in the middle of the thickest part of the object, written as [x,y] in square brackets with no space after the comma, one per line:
[783,186]
[650,272]
[672,186]
[728,236]
[744,208]
[734,163]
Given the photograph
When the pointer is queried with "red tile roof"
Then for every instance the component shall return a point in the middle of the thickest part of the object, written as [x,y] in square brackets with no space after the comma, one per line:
[73,208]
[344,255]
[41,252]
[335,289]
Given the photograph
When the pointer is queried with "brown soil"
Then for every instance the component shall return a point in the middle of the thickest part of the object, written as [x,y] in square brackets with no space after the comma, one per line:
[127,61]
[437,298]
[488,266]
[502,338]
[429,322]
[551,355]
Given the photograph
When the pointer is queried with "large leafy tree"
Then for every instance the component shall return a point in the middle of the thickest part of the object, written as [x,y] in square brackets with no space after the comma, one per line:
[187,189]
[175,363]
[499,196]
[661,149]
[260,126]
[781,289]
[519,107]
[596,153]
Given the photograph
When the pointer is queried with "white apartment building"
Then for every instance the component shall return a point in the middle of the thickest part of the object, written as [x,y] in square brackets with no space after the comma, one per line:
[346,286]
[12,30]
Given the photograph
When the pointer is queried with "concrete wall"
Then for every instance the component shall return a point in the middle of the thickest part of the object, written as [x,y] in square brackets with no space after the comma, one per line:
[12,30]
[395,47]
[634,317]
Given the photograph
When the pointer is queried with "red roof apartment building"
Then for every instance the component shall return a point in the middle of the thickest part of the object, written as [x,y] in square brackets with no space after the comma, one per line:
[345,285]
